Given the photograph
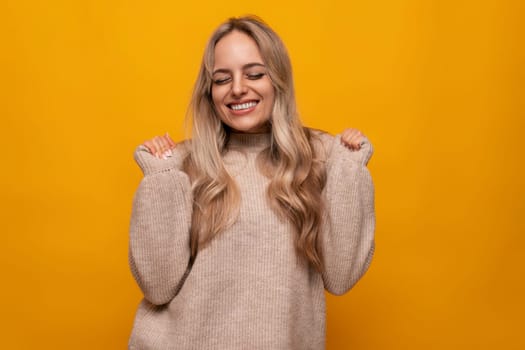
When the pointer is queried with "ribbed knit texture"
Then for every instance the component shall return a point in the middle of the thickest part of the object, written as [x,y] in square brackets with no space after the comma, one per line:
[247,289]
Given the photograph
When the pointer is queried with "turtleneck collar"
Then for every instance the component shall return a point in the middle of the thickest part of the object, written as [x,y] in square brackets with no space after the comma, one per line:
[249,142]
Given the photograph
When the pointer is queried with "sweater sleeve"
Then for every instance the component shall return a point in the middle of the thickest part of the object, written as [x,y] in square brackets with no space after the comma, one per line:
[159,249]
[348,237]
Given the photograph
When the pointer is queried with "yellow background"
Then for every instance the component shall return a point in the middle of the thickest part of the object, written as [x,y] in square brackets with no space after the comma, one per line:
[438,86]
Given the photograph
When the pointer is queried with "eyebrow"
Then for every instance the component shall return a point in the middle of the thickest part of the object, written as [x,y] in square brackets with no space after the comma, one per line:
[246,66]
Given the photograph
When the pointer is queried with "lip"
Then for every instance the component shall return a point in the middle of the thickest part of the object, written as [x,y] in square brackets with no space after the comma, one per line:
[242,111]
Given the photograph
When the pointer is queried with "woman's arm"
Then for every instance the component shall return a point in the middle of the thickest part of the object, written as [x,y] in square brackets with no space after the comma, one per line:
[159,248]
[348,237]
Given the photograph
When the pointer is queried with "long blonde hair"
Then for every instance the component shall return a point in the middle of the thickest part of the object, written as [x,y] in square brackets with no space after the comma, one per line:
[298,177]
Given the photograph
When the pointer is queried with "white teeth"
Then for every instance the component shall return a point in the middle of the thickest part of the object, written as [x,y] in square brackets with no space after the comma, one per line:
[244,106]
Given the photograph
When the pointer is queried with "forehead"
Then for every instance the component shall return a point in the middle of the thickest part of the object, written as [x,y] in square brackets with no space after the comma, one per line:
[235,50]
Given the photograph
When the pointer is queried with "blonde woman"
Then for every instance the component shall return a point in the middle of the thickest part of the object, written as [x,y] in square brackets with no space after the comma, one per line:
[236,234]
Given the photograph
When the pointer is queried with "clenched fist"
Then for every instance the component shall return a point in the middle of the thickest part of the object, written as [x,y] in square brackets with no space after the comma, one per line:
[352,138]
[160,146]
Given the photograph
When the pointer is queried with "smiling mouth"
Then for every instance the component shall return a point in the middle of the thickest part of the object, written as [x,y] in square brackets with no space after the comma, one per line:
[242,106]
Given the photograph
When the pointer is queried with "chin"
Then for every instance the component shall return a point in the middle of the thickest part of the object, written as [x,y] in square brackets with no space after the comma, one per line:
[249,128]
[257,129]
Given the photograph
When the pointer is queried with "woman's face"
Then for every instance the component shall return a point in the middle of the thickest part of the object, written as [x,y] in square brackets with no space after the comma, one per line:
[242,91]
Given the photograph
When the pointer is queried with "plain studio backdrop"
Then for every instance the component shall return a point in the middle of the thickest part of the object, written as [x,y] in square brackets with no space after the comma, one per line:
[437,86]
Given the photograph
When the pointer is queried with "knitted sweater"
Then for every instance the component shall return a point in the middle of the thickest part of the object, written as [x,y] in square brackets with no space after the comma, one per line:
[246,289]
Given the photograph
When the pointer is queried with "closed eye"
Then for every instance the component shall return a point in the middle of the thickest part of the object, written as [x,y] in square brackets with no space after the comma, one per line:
[255,76]
[222,81]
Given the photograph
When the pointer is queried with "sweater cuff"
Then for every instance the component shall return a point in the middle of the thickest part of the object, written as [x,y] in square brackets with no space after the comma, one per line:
[361,156]
[149,164]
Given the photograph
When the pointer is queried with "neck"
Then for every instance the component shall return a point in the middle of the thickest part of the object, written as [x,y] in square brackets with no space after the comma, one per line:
[254,142]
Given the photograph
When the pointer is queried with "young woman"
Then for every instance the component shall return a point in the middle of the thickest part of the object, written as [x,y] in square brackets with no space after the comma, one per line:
[236,234]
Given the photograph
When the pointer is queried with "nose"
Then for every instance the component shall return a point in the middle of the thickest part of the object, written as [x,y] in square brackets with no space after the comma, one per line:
[239,87]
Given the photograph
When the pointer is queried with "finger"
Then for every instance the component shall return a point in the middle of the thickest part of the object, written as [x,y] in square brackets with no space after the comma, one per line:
[158,146]
[353,138]
[356,139]
[171,143]
[150,146]
[357,142]
[167,146]
[347,137]
[164,144]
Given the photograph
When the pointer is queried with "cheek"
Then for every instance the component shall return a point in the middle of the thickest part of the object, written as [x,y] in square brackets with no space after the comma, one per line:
[270,92]
[216,98]
[270,97]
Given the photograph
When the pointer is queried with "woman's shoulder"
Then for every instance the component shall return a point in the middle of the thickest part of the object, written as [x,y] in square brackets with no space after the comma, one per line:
[327,146]
[321,141]
[183,147]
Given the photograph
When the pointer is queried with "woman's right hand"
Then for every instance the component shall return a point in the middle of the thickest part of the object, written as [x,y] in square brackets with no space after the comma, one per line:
[160,146]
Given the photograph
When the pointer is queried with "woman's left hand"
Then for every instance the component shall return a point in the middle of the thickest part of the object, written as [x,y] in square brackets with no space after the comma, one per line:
[352,138]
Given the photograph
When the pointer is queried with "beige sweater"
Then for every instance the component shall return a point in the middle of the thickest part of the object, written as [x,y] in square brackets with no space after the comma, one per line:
[246,290]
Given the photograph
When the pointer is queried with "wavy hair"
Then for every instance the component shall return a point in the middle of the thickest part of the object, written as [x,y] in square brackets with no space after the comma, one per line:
[298,177]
